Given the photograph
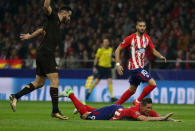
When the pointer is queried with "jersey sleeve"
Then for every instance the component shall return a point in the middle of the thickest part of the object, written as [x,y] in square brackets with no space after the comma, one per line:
[126,42]
[98,53]
[152,113]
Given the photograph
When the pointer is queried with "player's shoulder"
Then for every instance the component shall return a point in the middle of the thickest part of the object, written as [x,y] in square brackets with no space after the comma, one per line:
[132,35]
[99,49]
[146,35]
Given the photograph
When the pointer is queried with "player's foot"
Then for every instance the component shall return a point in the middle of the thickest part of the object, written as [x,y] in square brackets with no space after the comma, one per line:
[87,96]
[76,111]
[59,116]
[136,102]
[66,93]
[113,99]
[13,102]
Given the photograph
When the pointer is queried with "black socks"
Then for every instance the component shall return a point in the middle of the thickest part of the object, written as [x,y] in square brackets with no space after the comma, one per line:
[25,91]
[54,98]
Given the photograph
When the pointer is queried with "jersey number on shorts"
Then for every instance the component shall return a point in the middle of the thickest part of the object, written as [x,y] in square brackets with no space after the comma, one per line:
[145,73]
[92,117]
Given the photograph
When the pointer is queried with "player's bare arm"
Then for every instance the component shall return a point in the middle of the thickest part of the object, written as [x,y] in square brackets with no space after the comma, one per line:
[117,59]
[157,54]
[47,7]
[28,36]
[161,118]
[170,119]
[95,64]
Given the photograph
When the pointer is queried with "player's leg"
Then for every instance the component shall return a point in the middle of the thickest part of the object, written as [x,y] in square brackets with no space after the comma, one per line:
[81,108]
[127,94]
[54,83]
[112,98]
[38,83]
[151,85]
[107,73]
[145,76]
[134,82]
[97,80]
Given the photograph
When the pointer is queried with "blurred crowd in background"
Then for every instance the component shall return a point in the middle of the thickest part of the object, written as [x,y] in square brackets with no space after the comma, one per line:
[170,24]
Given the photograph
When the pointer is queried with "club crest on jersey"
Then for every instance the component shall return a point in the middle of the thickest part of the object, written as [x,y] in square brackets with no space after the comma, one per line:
[123,42]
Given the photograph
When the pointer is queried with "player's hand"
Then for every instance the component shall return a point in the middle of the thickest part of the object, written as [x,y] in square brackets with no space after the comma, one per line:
[177,121]
[94,70]
[119,70]
[163,58]
[168,115]
[25,36]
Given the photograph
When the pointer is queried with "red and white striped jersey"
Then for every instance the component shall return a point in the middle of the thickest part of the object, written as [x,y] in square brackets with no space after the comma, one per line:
[137,46]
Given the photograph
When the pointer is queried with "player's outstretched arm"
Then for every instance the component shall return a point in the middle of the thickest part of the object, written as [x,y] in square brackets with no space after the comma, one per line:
[47,7]
[30,36]
[157,54]
[161,118]
[170,119]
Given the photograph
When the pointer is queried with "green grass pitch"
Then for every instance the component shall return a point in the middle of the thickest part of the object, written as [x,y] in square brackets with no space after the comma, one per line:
[35,116]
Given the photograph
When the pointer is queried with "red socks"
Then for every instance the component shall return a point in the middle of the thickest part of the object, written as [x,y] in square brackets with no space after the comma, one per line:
[145,92]
[128,93]
[90,109]
[82,109]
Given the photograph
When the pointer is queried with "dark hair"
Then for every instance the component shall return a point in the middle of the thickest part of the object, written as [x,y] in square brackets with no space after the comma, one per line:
[66,8]
[146,101]
[140,20]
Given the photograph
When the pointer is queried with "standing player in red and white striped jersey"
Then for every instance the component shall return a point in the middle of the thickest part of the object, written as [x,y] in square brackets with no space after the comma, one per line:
[138,43]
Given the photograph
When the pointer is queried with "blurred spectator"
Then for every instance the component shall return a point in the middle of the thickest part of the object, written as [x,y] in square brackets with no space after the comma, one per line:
[72,60]
[3,55]
[191,56]
[29,62]
[179,59]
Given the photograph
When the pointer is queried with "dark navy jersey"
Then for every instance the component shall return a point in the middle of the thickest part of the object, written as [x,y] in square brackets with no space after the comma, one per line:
[105,113]
[52,36]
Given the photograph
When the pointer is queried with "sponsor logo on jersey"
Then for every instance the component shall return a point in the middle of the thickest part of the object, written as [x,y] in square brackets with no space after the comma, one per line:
[140,50]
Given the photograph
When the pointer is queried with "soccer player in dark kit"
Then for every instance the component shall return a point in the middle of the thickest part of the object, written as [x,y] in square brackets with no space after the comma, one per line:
[45,60]
[141,112]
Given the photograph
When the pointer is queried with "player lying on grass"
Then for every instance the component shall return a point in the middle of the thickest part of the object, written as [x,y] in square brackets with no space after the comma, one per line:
[143,112]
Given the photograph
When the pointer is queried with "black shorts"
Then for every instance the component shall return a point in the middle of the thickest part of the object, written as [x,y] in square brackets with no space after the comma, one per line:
[45,64]
[103,72]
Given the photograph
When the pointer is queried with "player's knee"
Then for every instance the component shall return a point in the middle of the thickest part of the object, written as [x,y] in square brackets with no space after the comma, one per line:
[133,89]
[38,84]
[152,82]
[54,82]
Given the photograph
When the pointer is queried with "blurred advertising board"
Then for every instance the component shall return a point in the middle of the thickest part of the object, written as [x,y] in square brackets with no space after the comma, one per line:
[166,92]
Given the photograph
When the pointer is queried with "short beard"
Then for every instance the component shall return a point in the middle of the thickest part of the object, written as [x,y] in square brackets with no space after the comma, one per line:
[64,20]
[141,33]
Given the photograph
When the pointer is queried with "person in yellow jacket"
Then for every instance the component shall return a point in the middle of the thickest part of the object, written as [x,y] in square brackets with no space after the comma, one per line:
[102,66]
